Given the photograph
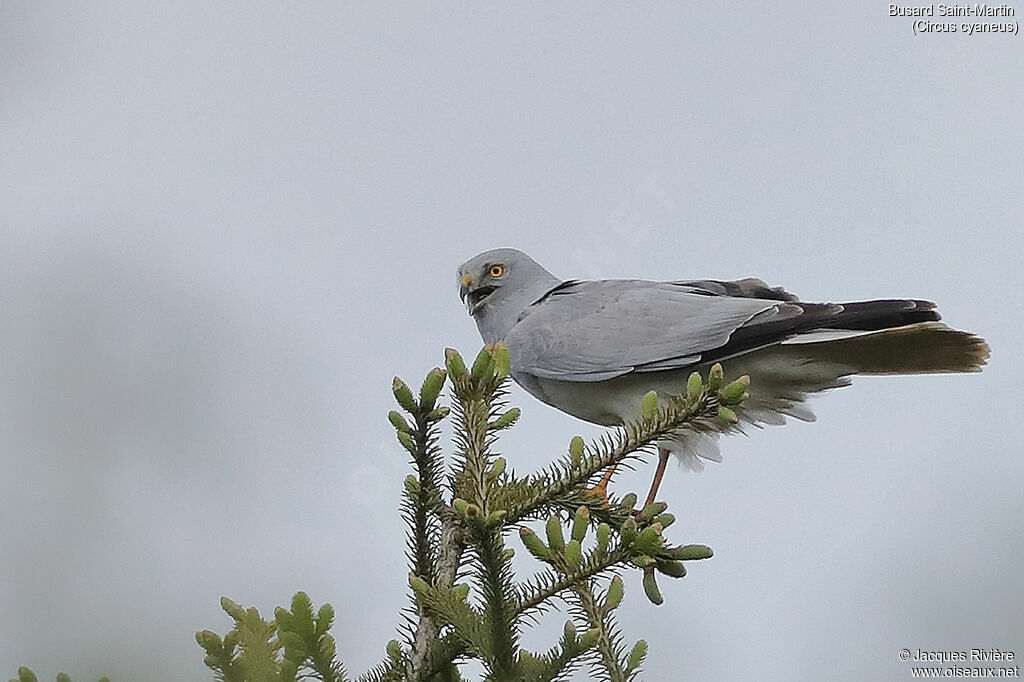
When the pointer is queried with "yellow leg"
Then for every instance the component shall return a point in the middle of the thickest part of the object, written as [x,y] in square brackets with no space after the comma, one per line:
[658,473]
[601,489]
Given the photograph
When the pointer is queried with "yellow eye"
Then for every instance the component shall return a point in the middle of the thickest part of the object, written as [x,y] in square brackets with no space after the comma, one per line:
[496,270]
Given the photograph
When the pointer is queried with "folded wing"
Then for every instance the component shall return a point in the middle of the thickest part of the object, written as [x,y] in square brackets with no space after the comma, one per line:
[587,331]
[592,331]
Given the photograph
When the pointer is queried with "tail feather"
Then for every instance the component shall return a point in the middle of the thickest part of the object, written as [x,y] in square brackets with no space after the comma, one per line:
[920,348]
[872,337]
[882,314]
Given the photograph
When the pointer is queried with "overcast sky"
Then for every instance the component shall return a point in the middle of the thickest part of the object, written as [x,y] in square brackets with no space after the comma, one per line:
[225,226]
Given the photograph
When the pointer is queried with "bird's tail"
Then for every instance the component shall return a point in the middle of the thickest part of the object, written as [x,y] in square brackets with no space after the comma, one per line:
[918,348]
[872,337]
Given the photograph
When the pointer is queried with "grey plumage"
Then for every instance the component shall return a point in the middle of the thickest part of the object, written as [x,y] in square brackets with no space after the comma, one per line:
[593,348]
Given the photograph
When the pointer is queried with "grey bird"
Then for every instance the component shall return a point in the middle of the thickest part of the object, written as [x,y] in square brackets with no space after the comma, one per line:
[594,348]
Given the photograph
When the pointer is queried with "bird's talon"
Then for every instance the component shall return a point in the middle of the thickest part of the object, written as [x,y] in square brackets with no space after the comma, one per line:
[600,490]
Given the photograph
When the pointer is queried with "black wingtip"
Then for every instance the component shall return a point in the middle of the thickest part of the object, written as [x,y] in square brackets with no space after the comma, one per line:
[883,314]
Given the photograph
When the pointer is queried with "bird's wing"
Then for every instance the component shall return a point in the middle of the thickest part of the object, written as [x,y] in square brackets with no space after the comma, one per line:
[597,330]
[751,287]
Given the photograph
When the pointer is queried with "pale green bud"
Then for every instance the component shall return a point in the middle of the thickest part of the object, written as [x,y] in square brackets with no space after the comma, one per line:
[324,617]
[412,485]
[573,553]
[613,597]
[576,451]
[407,442]
[637,655]
[649,540]
[736,392]
[504,421]
[403,395]
[208,639]
[666,520]
[671,568]
[501,360]
[398,421]
[534,545]
[652,510]
[232,609]
[628,501]
[628,530]
[727,415]
[284,618]
[690,552]
[694,387]
[716,376]
[569,631]
[498,466]
[461,506]
[483,366]
[580,523]
[651,587]
[604,533]
[643,561]
[589,638]
[431,388]
[649,405]
[556,540]
[461,591]
[394,649]
[453,361]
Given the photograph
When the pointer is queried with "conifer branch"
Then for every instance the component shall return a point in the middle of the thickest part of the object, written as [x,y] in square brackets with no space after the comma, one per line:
[423,660]
[422,490]
[542,587]
[609,641]
[479,394]
[566,476]
[496,587]
[558,661]
[458,528]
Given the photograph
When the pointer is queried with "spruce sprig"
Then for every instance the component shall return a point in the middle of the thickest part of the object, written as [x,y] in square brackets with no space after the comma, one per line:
[459,517]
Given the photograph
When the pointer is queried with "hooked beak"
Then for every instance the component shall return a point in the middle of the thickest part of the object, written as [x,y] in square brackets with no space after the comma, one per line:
[467,280]
[473,296]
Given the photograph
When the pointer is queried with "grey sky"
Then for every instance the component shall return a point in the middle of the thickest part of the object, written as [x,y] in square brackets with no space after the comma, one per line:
[224,229]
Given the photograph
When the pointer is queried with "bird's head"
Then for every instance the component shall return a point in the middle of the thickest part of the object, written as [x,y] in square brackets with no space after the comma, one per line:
[498,285]
[483,277]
